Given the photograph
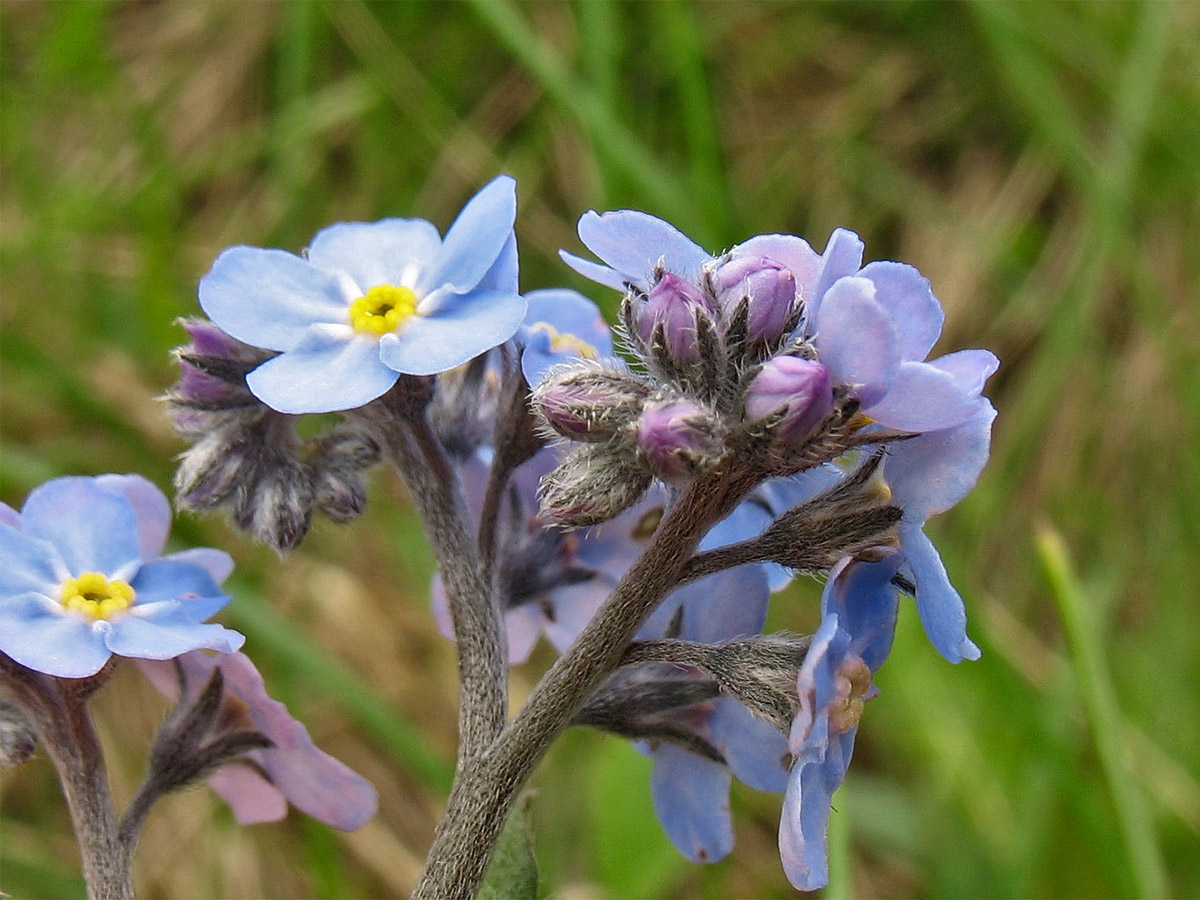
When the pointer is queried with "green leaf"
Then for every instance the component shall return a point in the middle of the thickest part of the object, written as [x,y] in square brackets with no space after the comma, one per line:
[513,872]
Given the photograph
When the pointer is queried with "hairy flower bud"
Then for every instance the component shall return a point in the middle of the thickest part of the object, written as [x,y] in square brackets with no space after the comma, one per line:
[794,389]
[674,304]
[591,485]
[768,290]
[654,703]
[589,402]
[679,438]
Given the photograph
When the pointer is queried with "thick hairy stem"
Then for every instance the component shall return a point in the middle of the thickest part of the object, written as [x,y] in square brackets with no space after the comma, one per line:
[57,710]
[411,447]
[485,789]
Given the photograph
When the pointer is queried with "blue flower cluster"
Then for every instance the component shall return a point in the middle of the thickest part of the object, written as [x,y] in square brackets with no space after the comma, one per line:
[802,374]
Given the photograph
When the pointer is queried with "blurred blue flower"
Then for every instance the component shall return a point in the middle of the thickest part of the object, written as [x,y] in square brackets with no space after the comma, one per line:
[858,621]
[560,325]
[370,301]
[81,579]
[293,770]
[690,790]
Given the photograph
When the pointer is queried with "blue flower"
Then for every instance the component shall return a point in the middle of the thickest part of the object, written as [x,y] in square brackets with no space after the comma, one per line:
[371,301]
[560,325]
[858,622]
[81,579]
[691,791]
[293,769]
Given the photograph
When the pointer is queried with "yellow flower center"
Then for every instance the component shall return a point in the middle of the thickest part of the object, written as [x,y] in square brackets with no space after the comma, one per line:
[94,596]
[383,308]
[561,342]
[853,681]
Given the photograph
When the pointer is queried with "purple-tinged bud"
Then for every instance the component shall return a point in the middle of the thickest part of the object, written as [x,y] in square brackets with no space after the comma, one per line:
[768,289]
[589,403]
[674,304]
[794,389]
[679,438]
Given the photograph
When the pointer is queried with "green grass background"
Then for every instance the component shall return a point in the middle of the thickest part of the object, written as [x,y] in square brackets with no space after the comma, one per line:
[1037,160]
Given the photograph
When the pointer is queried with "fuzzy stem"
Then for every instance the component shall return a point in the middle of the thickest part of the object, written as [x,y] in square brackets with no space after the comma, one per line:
[411,447]
[56,708]
[485,789]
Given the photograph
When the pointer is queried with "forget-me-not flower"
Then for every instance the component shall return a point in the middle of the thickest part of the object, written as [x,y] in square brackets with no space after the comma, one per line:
[858,622]
[370,301]
[293,770]
[81,579]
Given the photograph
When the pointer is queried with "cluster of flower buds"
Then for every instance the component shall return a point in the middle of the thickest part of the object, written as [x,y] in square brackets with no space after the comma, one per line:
[769,357]
[247,457]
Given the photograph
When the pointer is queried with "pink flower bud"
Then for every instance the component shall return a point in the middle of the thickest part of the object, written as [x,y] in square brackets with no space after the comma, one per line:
[796,389]
[768,289]
[674,303]
[589,404]
[679,438]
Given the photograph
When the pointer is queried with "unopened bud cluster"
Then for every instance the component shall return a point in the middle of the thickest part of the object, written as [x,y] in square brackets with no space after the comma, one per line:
[722,372]
[247,458]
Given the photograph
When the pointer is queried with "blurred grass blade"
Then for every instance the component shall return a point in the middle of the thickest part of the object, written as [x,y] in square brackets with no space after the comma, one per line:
[1100,706]
[841,882]
[657,181]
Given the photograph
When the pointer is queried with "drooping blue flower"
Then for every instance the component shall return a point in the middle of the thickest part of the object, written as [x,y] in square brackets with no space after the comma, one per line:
[858,621]
[81,579]
[292,770]
[370,301]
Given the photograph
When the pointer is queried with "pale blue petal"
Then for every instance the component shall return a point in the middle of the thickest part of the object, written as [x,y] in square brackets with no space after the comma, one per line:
[857,339]
[522,627]
[907,295]
[970,368]
[930,473]
[594,271]
[391,251]
[691,797]
[166,580]
[38,636]
[9,516]
[923,398]
[635,243]
[331,369]
[940,607]
[725,605]
[753,749]
[502,276]
[149,505]
[217,563]
[842,257]
[94,530]
[475,240]
[29,564]
[460,329]
[270,298]
[804,825]
[166,632]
